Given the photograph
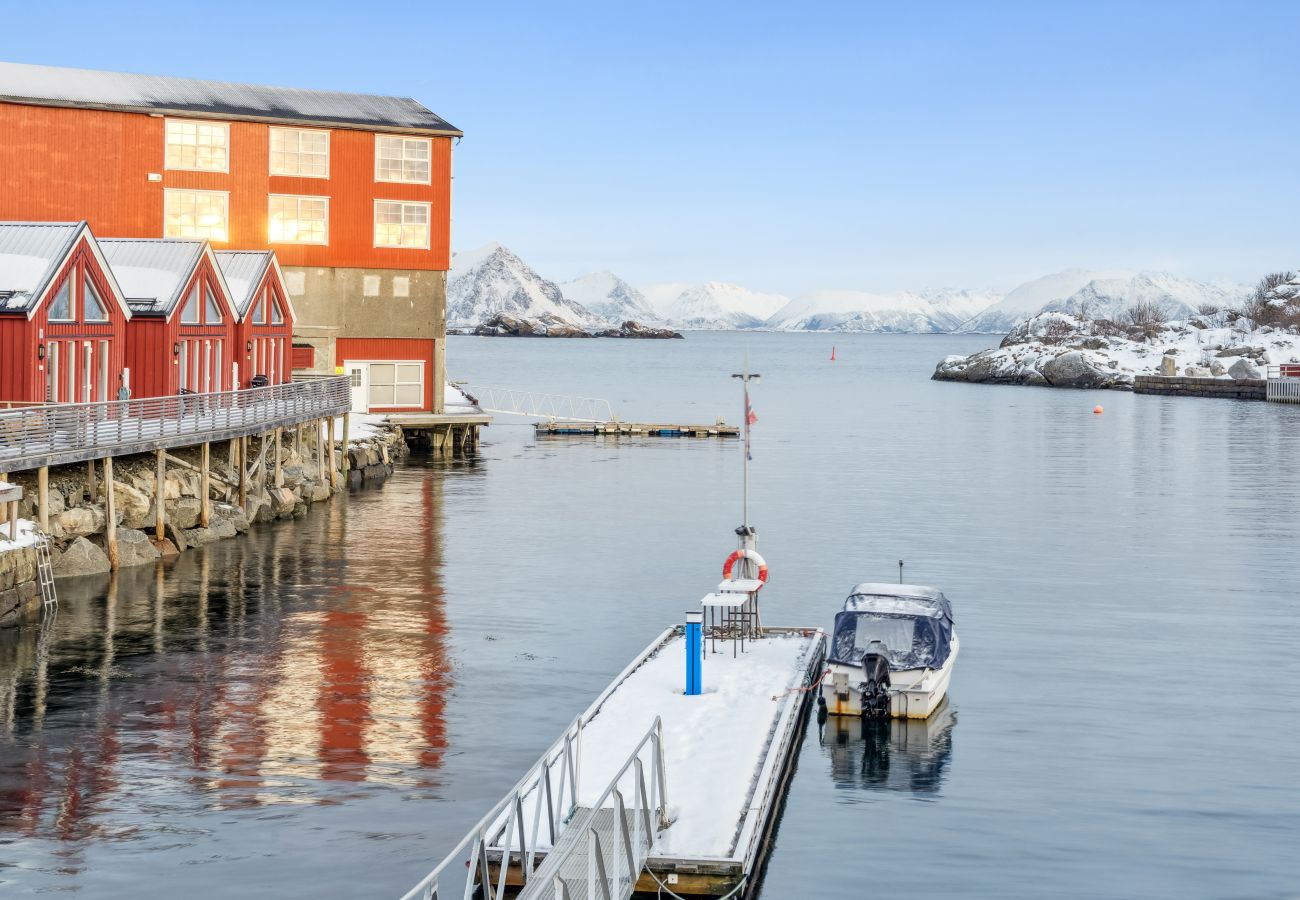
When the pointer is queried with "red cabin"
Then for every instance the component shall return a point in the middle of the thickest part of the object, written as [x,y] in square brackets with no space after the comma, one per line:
[264,337]
[183,326]
[62,316]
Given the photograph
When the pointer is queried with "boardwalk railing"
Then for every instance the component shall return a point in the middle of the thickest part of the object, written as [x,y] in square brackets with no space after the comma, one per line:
[509,402]
[61,433]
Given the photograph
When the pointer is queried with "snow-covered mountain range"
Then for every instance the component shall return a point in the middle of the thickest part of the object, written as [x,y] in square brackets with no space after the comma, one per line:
[492,280]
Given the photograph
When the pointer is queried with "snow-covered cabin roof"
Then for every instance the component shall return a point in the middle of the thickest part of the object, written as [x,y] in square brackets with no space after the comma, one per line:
[153,272]
[128,92]
[243,271]
[30,256]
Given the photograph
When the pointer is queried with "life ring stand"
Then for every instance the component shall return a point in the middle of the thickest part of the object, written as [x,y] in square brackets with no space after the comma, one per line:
[745,554]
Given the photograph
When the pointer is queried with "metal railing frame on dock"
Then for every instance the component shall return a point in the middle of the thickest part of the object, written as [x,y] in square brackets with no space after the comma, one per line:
[62,433]
[503,827]
[556,407]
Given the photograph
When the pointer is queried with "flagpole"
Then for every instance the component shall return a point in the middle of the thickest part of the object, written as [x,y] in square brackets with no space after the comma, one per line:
[745,377]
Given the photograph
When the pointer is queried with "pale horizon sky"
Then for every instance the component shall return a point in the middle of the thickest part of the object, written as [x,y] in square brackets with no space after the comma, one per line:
[790,148]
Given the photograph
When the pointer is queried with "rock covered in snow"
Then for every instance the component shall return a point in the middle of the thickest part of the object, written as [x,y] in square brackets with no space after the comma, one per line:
[502,325]
[1057,349]
[630,329]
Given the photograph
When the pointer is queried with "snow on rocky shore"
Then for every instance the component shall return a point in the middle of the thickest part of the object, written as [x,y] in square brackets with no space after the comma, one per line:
[1056,349]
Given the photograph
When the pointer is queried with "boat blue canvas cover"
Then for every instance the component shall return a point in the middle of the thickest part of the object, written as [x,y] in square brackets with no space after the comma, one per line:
[914,624]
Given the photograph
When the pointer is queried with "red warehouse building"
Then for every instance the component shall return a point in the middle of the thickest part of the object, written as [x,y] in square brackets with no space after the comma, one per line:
[264,335]
[182,332]
[63,316]
[351,191]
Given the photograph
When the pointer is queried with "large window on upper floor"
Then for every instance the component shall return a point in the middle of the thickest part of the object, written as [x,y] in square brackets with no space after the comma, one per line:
[401,224]
[303,152]
[196,214]
[198,146]
[298,220]
[402,159]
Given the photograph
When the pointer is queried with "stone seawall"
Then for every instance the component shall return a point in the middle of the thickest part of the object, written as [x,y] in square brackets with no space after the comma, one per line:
[1181,386]
[77,519]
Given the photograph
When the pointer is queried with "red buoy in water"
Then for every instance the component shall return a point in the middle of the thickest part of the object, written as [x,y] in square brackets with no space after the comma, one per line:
[1097,410]
[832,353]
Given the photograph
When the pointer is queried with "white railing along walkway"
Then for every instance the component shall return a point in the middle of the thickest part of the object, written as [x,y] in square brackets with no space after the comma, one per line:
[59,433]
[557,407]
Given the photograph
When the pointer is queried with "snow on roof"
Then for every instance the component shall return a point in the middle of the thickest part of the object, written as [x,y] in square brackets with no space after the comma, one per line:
[243,270]
[30,254]
[56,86]
[152,269]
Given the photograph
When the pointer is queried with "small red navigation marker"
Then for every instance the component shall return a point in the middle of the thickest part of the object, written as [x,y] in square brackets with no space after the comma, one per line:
[1097,410]
[832,353]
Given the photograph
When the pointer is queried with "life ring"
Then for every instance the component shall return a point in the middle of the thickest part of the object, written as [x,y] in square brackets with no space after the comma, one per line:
[745,554]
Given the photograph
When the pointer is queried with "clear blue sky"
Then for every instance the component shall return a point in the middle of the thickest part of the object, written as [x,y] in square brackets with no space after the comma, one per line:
[791,147]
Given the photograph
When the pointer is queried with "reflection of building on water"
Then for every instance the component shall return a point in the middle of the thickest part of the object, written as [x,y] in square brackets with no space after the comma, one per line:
[910,755]
[266,665]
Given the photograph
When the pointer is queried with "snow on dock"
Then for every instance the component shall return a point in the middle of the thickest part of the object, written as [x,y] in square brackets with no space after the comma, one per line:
[714,744]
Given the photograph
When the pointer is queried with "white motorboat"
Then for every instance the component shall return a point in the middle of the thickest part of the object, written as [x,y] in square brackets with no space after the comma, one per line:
[892,653]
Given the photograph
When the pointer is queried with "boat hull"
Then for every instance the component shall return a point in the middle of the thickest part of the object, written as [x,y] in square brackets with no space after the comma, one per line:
[913,694]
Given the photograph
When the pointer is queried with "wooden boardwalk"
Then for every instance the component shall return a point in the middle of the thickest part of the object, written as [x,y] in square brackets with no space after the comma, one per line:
[634,429]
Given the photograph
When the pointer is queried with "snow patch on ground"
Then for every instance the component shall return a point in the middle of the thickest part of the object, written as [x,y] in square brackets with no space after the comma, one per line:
[28,535]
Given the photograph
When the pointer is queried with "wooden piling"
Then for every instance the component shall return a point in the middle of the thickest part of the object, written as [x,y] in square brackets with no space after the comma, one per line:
[13,520]
[90,479]
[320,450]
[205,503]
[344,465]
[243,473]
[43,498]
[159,496]
[279,474]
[334,472]
[110,513]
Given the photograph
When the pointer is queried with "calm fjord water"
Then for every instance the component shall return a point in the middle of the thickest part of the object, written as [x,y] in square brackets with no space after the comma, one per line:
[323,708]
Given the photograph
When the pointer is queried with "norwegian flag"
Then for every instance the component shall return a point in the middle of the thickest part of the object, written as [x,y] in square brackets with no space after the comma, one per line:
[750,418]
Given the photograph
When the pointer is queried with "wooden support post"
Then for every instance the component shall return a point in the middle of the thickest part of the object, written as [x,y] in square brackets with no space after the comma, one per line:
[43,498]
[243,473]
[320,450]
[13,520]
[297,442]
[329,444]
[279,475]
[90,479]
[345,464]
[110,513]
[234,452]
[205,486]
[160,496]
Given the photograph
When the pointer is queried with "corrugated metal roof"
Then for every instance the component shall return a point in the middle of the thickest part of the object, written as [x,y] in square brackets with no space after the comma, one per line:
[30,254]
[152,271]
[243,271]
[55,86]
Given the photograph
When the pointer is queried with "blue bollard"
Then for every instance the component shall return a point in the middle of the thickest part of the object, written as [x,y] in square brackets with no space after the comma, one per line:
[694,652]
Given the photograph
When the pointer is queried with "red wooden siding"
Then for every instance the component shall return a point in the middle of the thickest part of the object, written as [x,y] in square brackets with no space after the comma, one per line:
[72,164]
[23,373]
[304,356]
[157,348]
[263,345]
[396,349]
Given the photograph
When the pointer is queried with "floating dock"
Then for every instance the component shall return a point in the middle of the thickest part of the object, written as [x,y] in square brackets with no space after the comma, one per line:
[633,429]
[652,787]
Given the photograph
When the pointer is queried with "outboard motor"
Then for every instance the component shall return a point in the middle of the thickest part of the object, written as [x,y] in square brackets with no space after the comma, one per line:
[875,683]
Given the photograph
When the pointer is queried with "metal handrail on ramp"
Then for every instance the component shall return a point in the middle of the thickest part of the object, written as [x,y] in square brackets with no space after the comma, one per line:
[556,407]
[607,846]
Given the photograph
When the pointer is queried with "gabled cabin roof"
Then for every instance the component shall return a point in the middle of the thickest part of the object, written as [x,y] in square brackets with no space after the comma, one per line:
[127,92]
[153,272]
[244,271]
[31,254]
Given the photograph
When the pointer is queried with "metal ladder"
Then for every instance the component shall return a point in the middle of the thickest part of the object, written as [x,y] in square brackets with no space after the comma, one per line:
[45,574]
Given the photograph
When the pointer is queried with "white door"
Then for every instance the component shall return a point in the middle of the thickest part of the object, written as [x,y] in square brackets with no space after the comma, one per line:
[359,375]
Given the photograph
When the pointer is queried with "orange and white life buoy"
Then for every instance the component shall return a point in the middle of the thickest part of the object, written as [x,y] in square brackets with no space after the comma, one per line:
[745,554]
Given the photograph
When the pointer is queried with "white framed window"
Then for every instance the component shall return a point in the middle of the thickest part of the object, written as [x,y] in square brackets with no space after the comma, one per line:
[396,384]
[402,159]
[298,220]
[303,152]
[196,214]
[61,306]
[198,146]
[401,224]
